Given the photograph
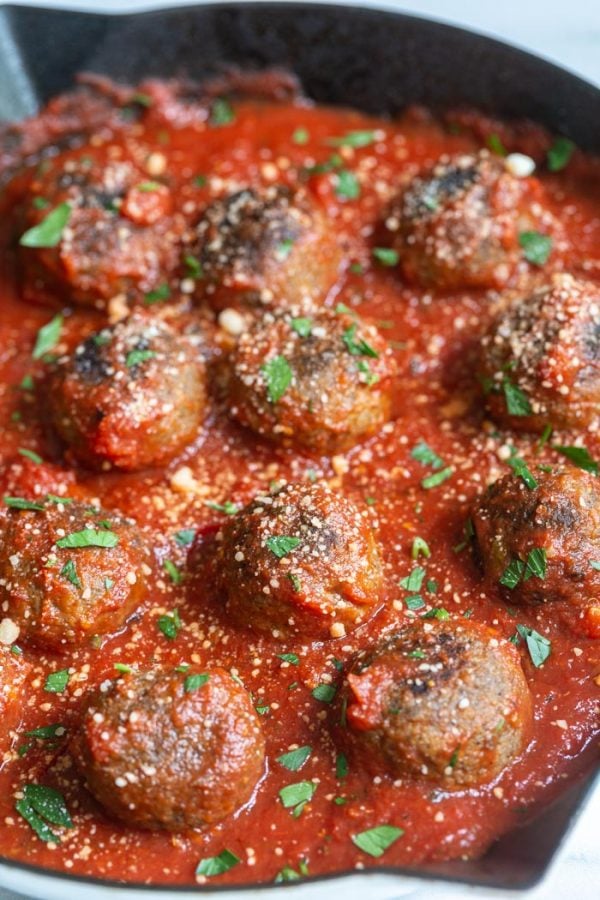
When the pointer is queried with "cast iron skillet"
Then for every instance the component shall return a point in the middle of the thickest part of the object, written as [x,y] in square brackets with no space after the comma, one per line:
[375,61]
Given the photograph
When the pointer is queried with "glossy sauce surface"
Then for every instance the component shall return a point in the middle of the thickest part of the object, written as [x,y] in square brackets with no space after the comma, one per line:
[438,400]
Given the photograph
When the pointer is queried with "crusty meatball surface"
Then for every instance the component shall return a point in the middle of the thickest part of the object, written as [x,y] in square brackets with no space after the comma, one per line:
[69,571]
[446,701]
[547,346]
[320,382]
[13,674]
[121,235]
[540,543]
[303,562]
[130,396]
[271,247]
[172,751]
[457,225]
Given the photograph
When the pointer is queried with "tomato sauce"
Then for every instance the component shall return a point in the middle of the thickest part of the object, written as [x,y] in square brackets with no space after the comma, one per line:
[435,336]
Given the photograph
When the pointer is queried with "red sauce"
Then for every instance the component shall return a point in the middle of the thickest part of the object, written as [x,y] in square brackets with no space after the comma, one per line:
[435,338]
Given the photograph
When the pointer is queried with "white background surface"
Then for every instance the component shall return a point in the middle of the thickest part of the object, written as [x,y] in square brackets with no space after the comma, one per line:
[568,33]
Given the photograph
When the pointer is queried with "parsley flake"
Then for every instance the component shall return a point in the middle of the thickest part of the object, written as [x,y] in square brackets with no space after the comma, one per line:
[579,456]
[536,247]
[278,377]
[49,231]
[386,256]
[56,682]
[539,647]
[295,759]
[296,796]
[281,545]
[559,154]
[194,682]
[89,537]
[42,806]
[217,865]
[169,624]
[375,841]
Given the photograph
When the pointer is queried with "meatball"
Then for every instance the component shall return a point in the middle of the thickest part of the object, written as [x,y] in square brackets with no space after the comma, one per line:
[447,701]
[171,751]
[457,225]
[120,235]
[129,396]
[541,359]
[319,384]
[303,561]
[69,571]
[13,673]
[270,247]
[540,544]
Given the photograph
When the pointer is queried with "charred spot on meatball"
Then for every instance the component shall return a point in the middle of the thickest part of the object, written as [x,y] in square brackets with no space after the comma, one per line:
[540,361]
[303,562]
[120,237]
[319,383]
[540,544]
[272,247]
[69,572]
[171,751]
[13,674]
[130,396]
[444,701]
[458,224]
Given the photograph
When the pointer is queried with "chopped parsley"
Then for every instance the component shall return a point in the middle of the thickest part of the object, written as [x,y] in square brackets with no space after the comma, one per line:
[217,865]
[69,572]
[413,581]
[347,186]
[169,624]
[89,537]
[56,682]
[539,647]
[47,337]
[420,547]
[375,841]
[423,453]
[579,456]
[559,154]
[295,581]
[386,256]
[221,113]
[324,692]
[281,545]
[301,136]
[194,682]
[193,266]
[517,403]
[534,567]
[49,231]
[173,572]
[357,347]
[295,759]
[341,766]
[22,503]
[414,602]
[302,326]
[289,874]
[185,537]
[229,508]
[278,377]
[41,807]
[494,143]
[536,247]
[29,454]
[355,139]
[296,796]
[162,292]
[521,470]
[291,658]
[431,481]
[438,612]
[137,357]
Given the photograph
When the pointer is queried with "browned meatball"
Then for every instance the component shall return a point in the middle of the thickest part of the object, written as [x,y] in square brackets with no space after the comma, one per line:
[540,543]
[303,561]
[171,751]
[120,235]
[271,247]
[319,383]
[446,701]
[546,349]
[69,571]
[457,225]
[130,396]
[13,673]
